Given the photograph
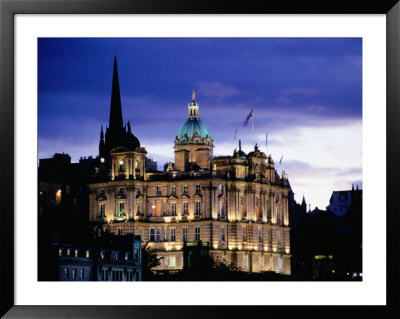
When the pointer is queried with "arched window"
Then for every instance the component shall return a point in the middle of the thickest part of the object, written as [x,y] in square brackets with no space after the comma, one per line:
[122,166]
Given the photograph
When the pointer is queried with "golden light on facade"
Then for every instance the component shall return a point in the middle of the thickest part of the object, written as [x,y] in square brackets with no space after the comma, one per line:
[287,250]
[102,160]
[240,247]
[153,206]
[215,246]
[274,249]
[255,248]
[121,162]
[168,219]
[230,247]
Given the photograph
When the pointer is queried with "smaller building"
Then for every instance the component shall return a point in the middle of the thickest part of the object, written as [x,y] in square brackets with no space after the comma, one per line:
[340,201]
[118,260]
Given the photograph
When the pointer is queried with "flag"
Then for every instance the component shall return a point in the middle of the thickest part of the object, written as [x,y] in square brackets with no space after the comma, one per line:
[248,117]
[266,139]
[235,135]
[280,161]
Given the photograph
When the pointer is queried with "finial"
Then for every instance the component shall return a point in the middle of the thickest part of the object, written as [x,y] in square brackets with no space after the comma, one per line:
[240,145]
[193,95]
[129,127]
[101,133]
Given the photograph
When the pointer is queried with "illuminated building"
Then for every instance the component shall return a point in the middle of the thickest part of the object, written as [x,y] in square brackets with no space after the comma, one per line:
[237,204]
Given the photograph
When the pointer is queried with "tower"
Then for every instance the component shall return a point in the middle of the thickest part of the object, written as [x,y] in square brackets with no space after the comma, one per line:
[116,134]
[193,143]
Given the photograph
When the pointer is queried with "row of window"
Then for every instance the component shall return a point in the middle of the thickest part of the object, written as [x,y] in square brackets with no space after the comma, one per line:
[261,263]
[74,252]
[155,210]
[73,273]
[117,275]
[173,190]
[155,234]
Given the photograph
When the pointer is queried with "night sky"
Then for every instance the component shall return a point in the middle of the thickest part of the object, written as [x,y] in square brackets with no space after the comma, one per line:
[306,95]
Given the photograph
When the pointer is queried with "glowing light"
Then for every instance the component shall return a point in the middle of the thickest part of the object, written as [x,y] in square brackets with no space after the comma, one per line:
[153,206]
[121,162]
[230,247]
[255,248]
[240,247]
[168,219]
[287,250]
[360,274]
[102,160]
[59,191]
[215,246]
[274,249]
[266,248]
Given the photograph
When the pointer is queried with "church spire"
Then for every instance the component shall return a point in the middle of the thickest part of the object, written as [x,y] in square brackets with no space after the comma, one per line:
[115,123]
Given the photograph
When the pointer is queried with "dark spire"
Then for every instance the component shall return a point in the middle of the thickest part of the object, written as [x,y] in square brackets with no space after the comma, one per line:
[115,123]
[303,203]
[101,144]
[240,145]
[101,134]
[129,127]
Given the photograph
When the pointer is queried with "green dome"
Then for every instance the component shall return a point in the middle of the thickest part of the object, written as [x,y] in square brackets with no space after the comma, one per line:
[193,127]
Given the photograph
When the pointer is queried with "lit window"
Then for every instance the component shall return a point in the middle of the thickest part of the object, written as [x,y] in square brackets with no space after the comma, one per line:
[173,209]
[165,261]
[102,210]
[121,209]
[278,237]
[185,189]
[280,264]
[198,189]
[185,209]
[73,273]
[259,235]
[158,234]
[172,234]
[172,262]
[221,209]
[197,233]
[68,252]
[87,254]
[245,262]
[173,190]
[158,190]
[60,252]
[197,208]
[76,253]
[66,273]
[221,189]
[184,234]
[82,273]
[102,254]
[122,166]
[126,256]
[261,263]
[152,234]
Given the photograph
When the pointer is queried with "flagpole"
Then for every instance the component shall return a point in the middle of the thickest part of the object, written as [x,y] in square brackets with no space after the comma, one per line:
[252,128]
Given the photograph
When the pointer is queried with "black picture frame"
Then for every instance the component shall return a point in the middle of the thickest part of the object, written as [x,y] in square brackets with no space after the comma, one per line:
[8,10]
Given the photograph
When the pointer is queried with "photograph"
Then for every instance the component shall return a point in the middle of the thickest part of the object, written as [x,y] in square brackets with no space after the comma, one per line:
[200,159]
